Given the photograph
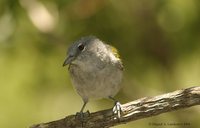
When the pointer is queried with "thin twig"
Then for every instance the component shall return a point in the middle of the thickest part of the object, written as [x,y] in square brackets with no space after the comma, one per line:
[138,109]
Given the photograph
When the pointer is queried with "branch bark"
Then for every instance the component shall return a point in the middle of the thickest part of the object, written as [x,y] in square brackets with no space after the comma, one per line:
[138,109]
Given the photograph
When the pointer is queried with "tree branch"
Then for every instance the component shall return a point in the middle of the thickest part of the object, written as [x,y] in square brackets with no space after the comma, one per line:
[138,109]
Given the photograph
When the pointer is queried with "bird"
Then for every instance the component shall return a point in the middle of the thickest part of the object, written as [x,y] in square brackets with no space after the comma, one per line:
[96,70]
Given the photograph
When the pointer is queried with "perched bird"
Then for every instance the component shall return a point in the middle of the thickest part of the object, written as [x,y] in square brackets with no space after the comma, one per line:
[96,70]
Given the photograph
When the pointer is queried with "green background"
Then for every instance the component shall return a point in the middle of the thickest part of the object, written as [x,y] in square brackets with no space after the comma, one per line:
[158,40]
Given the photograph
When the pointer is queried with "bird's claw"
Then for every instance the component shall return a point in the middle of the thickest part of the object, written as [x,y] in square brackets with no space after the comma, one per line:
[81,115]
[117,109]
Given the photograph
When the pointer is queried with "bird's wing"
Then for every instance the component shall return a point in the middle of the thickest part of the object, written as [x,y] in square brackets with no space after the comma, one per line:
[116,54]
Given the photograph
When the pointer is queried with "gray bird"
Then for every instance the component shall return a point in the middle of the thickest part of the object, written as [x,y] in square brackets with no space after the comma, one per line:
[95,68]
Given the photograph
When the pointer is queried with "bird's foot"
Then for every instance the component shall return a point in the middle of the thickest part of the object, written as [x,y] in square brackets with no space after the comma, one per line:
[82,115]
[117,109]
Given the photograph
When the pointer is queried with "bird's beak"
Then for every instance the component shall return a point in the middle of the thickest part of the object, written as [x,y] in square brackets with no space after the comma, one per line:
[68,60]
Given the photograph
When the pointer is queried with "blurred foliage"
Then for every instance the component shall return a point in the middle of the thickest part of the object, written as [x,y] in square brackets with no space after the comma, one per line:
[158,40]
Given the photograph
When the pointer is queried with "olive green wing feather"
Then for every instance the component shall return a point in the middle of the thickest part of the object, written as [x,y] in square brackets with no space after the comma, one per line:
[116,54]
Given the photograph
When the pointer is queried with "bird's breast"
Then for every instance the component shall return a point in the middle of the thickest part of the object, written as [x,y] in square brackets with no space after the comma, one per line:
[96,82]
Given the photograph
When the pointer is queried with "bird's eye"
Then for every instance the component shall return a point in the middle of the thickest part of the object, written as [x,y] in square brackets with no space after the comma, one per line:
[81,47]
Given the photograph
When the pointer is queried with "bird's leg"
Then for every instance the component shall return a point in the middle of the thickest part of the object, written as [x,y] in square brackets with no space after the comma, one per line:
[84,104]
[117,107]
[80,115]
